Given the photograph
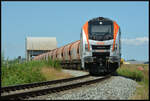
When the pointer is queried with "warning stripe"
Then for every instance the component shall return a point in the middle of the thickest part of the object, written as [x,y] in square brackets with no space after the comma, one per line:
[85,29]
[116,28]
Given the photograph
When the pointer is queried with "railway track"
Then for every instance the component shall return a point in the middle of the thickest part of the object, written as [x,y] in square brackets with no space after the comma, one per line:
[37,89]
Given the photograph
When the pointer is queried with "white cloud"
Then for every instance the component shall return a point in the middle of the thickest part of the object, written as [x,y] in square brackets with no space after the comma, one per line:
[136,41]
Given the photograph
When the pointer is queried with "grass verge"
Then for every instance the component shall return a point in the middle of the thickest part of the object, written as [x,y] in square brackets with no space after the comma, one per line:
[28,72]
[141,77]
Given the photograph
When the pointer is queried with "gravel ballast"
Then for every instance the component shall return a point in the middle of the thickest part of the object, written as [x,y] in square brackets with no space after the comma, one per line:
[114,88]
[75,72]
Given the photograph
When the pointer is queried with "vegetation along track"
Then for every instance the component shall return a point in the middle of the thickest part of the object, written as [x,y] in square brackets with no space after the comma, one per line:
[55,86]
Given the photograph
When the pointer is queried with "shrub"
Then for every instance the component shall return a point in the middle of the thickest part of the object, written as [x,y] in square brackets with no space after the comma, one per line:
[26,72]
[131,73]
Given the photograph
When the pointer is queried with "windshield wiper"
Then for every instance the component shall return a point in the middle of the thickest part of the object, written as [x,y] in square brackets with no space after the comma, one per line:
[108,37]
[97,33]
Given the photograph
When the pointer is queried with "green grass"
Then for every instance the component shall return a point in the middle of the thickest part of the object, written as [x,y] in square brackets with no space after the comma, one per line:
[14,73]
[131,73]
[141,77]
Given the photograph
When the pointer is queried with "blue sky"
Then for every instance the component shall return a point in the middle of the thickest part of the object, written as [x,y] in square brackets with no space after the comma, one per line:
[64,20]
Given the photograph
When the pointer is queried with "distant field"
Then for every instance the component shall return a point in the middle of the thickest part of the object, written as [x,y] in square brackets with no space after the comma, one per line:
[141,76]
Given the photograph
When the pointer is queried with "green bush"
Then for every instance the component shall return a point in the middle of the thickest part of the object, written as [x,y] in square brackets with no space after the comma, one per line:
[141,76]
[131,73]
[27,72]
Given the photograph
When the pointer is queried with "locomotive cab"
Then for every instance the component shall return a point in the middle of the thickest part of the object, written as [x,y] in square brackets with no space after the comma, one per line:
[100,42]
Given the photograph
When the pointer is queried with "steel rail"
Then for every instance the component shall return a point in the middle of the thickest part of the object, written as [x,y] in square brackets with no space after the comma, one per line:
[51,90]
[37,84]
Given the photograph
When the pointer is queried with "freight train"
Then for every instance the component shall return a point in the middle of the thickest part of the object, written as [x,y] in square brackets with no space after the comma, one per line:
[98,50]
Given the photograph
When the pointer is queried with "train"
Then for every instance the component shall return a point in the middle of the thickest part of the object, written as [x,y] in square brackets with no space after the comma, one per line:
[98,50]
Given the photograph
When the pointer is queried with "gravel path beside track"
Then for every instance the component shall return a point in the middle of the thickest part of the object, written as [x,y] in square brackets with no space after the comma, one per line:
[75,72]
[114,88]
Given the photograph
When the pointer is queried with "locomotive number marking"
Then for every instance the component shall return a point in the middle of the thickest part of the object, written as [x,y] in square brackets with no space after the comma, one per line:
[100,43]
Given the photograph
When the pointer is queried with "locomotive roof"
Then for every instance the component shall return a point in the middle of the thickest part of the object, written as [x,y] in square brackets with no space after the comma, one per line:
[100,19]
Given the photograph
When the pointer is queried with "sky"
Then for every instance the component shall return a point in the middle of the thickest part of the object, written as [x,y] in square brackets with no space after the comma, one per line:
[64,20]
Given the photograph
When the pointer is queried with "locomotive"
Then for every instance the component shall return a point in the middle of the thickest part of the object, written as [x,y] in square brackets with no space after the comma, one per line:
[98,50]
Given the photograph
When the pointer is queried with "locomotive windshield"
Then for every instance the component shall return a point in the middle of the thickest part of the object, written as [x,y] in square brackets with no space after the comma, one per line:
[101,32]
[101,29]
